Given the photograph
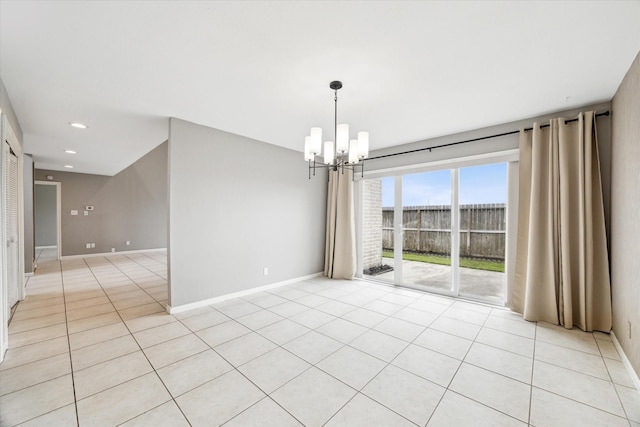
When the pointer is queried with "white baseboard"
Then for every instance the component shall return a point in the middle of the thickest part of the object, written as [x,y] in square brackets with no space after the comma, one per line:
[626,362]
[45,247]
[198,304]
[111,253]
[28,274]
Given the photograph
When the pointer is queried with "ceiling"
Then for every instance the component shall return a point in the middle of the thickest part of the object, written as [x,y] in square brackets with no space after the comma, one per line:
[411,70]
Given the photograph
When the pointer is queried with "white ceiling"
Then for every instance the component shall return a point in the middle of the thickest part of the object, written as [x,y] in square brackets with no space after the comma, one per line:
[411,70]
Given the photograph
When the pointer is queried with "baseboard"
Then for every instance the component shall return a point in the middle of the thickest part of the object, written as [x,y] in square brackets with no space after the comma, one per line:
[626,362]
[198,304]
[67,257]
[45,247]
[28,274]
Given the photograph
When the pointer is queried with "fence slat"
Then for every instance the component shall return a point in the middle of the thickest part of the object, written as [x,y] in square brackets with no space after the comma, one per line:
[428,229]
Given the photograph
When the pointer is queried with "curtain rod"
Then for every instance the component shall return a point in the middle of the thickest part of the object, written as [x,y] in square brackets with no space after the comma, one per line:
[605,113]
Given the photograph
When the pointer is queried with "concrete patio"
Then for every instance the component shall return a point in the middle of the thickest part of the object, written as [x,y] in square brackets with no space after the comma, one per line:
[475,282]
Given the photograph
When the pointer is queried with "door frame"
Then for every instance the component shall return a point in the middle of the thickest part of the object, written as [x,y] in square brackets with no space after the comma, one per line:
[7,134]
[508,156]
[58,186]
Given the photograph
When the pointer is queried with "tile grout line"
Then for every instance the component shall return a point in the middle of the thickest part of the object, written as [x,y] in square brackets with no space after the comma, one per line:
[45,381]
[140,349]
[136,283]
[461,362]
[624,409]
[285,349]
[367,329]
[66,323]
[268,395]
[533,365]
[389,363]
[459,366]
[371,328]
[235,368]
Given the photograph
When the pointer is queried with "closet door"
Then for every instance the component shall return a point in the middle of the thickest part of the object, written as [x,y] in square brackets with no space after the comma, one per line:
[11,226]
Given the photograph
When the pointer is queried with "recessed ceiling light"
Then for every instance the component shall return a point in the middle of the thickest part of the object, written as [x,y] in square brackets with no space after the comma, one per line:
[68,166]
[77,125]
[70,152]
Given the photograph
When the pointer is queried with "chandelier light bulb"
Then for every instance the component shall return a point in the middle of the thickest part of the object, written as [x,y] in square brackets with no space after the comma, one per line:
[308,156]
[316,140]
[328,152]
[353,151]
[363,145]
[342,140]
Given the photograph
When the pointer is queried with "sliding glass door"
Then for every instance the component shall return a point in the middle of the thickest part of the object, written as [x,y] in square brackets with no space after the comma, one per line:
[426,230]
[442,230]
[483,220]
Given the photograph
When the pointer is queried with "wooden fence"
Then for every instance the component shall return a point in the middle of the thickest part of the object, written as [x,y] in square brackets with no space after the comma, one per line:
[427,229]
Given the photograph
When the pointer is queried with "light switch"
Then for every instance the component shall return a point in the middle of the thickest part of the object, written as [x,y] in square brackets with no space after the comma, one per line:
[74,212]
[86,213]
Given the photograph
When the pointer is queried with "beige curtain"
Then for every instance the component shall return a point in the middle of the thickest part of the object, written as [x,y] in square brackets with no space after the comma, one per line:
[562,267]
[340,248]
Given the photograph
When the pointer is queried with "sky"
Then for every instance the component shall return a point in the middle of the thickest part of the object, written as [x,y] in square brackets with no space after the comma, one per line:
[478,184]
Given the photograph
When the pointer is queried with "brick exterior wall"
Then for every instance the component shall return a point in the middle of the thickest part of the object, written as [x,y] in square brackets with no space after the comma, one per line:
[372,223]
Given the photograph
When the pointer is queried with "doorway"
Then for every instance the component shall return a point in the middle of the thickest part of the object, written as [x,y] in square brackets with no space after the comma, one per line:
[47,221]
[443,229]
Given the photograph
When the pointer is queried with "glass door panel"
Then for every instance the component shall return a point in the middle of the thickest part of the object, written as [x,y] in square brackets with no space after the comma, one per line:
[482,210]
[426,230]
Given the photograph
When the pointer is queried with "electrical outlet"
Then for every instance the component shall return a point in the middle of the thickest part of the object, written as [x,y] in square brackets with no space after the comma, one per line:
[629,328]
[113,249]
[88,245]
[128,243]
[265,271]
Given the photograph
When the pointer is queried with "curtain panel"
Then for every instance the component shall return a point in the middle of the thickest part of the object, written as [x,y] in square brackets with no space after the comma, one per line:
[340,245]
[562,264]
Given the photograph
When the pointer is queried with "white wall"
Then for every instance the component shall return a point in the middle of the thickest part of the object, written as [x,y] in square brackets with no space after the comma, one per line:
[625,214]
[237,205]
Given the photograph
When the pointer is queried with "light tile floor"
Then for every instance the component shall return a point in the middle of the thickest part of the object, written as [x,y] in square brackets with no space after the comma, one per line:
[92,345]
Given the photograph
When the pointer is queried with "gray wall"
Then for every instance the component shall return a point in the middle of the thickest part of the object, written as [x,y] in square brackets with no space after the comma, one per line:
[238,205]
[45,215]
[131,205]
[625,213]
[29,250]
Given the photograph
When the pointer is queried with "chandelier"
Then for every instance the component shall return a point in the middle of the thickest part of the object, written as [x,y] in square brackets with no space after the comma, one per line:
[341,153]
